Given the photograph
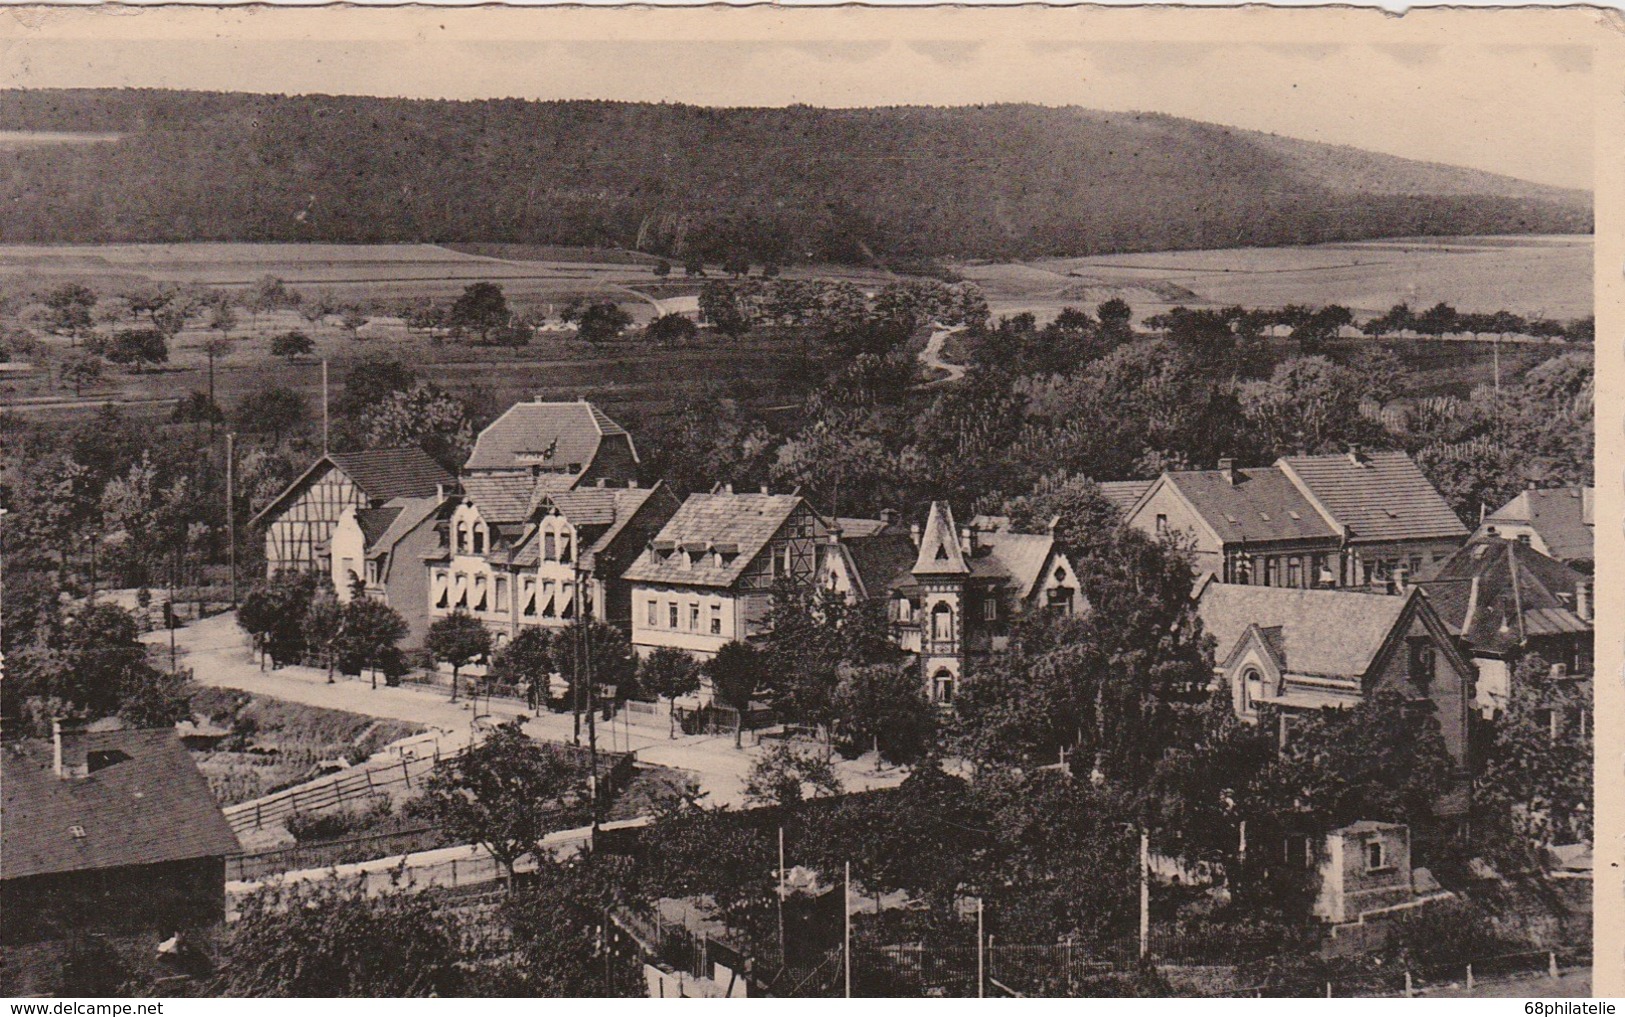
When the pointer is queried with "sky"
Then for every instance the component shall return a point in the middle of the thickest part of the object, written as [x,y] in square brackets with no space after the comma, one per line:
[1503,99]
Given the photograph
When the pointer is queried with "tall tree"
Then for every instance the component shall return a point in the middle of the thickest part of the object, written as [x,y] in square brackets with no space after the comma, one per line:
[736,675]
[458,639]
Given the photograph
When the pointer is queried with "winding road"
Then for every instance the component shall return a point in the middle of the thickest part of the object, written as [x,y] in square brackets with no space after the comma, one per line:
[931,357]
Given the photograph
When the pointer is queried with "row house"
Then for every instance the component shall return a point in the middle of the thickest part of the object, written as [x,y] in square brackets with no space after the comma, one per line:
[1306,522]
[1299,651]
[1556,521]
[298,524]
[516,555]
[1504,600]
[707,578]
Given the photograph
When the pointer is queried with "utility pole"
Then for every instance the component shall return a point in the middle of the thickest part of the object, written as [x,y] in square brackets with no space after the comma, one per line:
[324,406]
[981,963]
[781,896]
[846,941]
[1145,893]
[231,514]
[575,691]
[592,698]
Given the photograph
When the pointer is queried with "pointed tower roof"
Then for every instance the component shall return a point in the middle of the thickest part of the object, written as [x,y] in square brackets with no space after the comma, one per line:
[939,545]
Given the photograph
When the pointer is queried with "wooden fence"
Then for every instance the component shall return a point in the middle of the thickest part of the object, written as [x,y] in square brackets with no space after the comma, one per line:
[349,787]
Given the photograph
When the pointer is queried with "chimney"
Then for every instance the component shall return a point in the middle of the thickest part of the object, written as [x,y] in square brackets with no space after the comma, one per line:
[1355,455]
[1582,598]
[632,485]
[765,490]
[68,748]
[603,481]
[888,517]
[914,533]
[727,489]
[1227,466]
[967,540]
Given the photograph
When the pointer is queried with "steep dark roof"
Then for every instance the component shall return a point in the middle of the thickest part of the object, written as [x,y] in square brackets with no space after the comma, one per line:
[1332,633]
[742,524]
[551,434]
[1378,495]
[1261,505]
[387,473]
[151,807]
[1563,517]
[381,474]
[375,522]
[939,553]
[883,561]
[1495,593]
[599,515]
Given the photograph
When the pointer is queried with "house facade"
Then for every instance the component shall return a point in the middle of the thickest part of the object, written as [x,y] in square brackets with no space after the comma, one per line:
[707,577]
[108,831]
[1558,522]
[383,553]
[1364,867]
[968,587]
[1299,651]
[557,445]
[298,524]
[1250,526]
[1306,522]
[1504,600]
[514,555]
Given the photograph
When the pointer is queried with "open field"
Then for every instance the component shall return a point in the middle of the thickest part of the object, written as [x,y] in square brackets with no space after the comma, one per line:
[1541,276]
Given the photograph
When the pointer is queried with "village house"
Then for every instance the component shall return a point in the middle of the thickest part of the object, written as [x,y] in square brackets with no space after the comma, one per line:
[1303,650]
[1364,867]
[707,578]
[1250,526]
[299,522]
[1125,494]
[111,831]
[514,558]
[1505,600]
[1307,522]
[557,445]
[966,589]
[382,553]
[1556,521]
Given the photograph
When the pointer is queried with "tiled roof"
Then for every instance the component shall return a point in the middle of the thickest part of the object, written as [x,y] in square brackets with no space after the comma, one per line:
[153,806]
[500,499]
[939,553]
[598,514]
[883,561]
[412,512]
[1124,493]
[1261,505]
[556,434]
[1016,557]
[857,528]
[741,523]
[1495,592]
[1323,632]
[375,522]
[1382,496]
[381,474]
[393,472]
[1561,515]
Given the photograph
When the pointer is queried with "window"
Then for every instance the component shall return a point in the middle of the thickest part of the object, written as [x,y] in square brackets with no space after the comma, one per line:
[671,611]
[479,540]
[716,619]
[1374,859]
[694,616]
[942,687]
[1249,678]
[1523,538]
[1295,851]
[462,538]
[654,613]
[564,547]
[990,609]
[1423,662]
[530,599]
[1416,565]
[549,546]
[77,831]
[1162,523]
[502,593]
[1294,572]
[942,623]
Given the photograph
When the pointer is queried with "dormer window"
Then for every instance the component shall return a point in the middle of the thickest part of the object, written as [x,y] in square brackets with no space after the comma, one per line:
[462,538]
[479,540]
[77,832]
[564,548]
[550,549]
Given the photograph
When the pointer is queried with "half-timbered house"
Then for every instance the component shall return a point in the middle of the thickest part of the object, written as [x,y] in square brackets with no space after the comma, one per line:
[298,524]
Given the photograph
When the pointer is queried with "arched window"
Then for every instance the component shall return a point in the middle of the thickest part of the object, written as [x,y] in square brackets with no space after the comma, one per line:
[462,538]
[479,540]
[1248,677]
[942,687]
[942,622]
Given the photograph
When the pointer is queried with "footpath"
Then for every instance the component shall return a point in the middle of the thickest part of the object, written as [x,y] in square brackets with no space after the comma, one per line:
[220,654]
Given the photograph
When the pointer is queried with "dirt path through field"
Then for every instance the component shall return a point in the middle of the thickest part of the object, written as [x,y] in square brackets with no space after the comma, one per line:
[931,357]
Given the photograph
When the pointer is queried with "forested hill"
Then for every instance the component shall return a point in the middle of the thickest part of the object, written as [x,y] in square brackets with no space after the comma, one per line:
[793,183]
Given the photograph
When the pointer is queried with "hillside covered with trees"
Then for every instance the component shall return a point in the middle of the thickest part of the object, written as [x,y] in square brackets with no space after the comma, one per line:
[783,185]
